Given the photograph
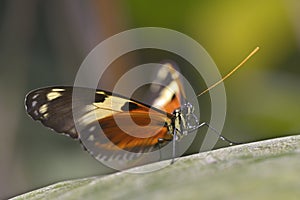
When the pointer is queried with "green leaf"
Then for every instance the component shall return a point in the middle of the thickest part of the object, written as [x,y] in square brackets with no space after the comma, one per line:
[261,170]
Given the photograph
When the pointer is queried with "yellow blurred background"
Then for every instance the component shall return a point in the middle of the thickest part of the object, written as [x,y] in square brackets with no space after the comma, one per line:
[44,42]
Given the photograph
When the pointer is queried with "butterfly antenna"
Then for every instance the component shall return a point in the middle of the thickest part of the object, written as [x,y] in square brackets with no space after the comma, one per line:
[230,73]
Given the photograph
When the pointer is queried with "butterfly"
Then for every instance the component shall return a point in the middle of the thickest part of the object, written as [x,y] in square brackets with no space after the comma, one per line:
[169,118]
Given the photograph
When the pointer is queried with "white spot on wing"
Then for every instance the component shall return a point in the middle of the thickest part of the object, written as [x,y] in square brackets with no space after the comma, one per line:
[33,104]
[100,92]
[111,158]
[72,130]
[98,157]
[162,74]
[91,129]
[46,115]
[103,157]
[58,90]
[53,95]
[166,95]
[112,103]
[43,108]
[35,96]
[91,138]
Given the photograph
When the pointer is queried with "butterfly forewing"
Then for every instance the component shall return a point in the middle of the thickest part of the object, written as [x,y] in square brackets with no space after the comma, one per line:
[53,107]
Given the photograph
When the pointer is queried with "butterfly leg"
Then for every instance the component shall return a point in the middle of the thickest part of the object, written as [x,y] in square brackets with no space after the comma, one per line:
[215,131]
[160,142]
[173,147]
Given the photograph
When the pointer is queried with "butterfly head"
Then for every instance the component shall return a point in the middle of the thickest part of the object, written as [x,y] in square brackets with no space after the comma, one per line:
[190,118]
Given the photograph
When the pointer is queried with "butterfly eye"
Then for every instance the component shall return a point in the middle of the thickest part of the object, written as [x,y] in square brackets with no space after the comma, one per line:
[187,109]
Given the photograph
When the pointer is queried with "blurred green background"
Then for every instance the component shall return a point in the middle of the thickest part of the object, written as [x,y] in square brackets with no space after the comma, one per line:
[44,42]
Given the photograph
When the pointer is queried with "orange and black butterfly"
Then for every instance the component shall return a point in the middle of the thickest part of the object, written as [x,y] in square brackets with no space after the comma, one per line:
[104,125]
[171,117]
[105,121]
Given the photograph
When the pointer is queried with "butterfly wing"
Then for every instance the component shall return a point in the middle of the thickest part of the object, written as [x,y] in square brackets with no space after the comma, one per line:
[53,107]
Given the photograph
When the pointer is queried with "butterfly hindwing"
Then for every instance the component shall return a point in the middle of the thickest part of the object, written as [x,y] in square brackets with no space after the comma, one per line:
[166,91]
